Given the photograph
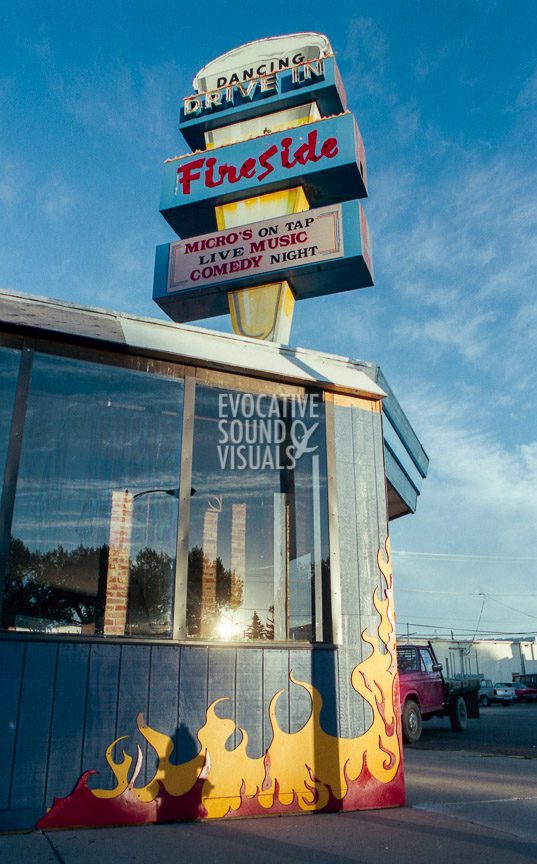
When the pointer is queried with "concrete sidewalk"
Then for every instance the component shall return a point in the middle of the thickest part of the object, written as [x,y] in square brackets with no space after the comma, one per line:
[408,836]
[462,808]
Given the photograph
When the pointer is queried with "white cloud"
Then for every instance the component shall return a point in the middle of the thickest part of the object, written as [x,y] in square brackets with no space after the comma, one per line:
[527,98]
[130,255]
[12,180]
[138,106]
[484,476]
[406,123]
[479,502]
[365,55]
[462,254]
[55,199]
[455,330]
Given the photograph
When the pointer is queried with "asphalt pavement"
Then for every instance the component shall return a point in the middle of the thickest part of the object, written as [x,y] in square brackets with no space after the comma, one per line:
[462,806]
[501,731]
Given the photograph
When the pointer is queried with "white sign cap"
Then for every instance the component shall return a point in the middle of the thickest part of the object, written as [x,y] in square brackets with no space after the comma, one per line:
[262,57]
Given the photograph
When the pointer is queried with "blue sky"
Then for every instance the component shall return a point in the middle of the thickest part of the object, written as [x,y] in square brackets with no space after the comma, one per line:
[446,98]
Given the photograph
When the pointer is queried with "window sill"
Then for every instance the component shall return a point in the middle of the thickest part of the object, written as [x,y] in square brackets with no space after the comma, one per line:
[18,636]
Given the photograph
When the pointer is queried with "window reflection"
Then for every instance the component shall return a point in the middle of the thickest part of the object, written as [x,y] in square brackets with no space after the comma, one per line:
[258,529]
[94,528]
[9,368]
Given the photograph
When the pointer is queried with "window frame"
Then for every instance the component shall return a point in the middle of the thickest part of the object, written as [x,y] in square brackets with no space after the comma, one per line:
[322,623]
[325,626]
[95,356]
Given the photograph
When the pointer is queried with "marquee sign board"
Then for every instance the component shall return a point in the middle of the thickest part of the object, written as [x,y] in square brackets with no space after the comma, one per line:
[315,80]
[263,247]
[327,158]
[319,251]
[262,57]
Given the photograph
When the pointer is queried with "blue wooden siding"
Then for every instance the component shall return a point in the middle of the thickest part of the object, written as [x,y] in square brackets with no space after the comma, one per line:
[275,671]
[68,714]
[193,700]
[363,529]
[62,703]
[101,707]
[33,743]
[392,409]
[400,482]
[249,697]
[12,662]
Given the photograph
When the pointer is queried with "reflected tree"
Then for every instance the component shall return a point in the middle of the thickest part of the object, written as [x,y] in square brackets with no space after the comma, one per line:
[150,593]
[228,593]
[269,624]
[44,590]
[256,629]
[52,586]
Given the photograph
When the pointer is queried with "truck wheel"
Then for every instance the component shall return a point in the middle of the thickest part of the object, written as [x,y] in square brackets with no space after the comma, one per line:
[458,714]
[412,724]
[484,701]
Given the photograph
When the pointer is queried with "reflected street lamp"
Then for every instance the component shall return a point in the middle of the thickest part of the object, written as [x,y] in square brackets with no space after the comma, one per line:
[174,493]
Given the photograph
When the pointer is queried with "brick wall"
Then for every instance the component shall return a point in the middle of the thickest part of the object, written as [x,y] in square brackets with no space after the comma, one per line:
[238,554]
[208,576]
[117,580]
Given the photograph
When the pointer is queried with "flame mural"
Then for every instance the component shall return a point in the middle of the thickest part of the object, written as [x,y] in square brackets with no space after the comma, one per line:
[308,770]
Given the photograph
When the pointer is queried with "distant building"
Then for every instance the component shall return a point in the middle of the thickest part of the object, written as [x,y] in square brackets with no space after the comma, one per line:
[497,659]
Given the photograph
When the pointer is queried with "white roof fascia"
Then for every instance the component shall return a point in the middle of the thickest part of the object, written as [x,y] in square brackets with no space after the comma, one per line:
[226,351]
[244,355]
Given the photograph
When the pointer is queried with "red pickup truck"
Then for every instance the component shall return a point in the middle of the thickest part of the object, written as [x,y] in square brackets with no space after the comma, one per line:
[425,693]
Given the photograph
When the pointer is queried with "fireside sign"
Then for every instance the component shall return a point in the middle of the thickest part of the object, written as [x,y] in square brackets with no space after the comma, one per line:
[262,247]
[213,171]
[326,157]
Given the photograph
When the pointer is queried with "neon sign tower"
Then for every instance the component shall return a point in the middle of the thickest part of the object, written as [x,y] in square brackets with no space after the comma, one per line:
[268,204]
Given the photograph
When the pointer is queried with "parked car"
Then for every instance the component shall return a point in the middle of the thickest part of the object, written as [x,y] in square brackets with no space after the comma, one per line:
[486,692]
[504,693]
[525,693]
[425,693]
[522,692]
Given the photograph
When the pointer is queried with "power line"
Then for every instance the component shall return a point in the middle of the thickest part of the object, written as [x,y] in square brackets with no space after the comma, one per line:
[456,556]
[512,608]
[483,594]
[462,593]
[479,619]
[460,622]
[449,629]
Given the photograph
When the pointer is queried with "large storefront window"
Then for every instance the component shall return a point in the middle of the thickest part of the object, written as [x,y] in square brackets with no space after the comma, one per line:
[93,538]
[258,555]
[9,367]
